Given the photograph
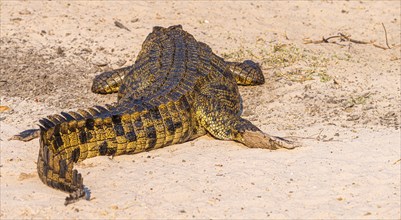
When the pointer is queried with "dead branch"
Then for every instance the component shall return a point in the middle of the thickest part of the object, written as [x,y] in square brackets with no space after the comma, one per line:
[348,38]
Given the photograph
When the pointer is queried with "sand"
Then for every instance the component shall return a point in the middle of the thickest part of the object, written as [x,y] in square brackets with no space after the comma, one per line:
[341,100]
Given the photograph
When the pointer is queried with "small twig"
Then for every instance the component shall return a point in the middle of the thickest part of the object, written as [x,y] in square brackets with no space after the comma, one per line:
[118,24]
[385,34]
[378,46]
[323,40]
[344,37]
[326,40]
[397,161]
[353,40]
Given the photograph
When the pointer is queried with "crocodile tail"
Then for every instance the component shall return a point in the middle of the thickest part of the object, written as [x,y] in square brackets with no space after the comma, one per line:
[66,139]
[74,136]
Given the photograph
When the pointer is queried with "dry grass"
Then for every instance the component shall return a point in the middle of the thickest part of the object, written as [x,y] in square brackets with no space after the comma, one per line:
[286,61]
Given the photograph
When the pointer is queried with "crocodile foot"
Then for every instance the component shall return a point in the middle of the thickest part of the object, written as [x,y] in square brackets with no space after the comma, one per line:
[255,139]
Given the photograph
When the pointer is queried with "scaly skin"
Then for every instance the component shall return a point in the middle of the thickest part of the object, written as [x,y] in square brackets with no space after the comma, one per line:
[177,90]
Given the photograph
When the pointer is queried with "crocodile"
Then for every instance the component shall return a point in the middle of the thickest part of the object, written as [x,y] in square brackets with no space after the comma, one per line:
[176,90]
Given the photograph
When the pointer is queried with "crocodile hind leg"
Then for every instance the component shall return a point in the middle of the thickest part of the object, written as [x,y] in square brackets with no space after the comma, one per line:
[222,123]
[110,82]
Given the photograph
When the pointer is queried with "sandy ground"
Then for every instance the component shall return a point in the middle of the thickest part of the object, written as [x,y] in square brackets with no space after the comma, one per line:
[341,99]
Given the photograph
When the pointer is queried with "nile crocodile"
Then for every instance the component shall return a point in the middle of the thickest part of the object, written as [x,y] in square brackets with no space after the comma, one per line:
[176,90]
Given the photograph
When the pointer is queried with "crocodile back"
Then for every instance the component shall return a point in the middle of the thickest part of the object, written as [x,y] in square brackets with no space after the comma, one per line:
[165,70]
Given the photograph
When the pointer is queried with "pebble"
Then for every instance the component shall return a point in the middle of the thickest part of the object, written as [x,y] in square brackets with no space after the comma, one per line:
[99,61]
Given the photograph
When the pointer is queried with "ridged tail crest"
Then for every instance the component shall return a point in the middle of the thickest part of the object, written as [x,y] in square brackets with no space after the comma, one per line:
[64,141]
[71,137]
